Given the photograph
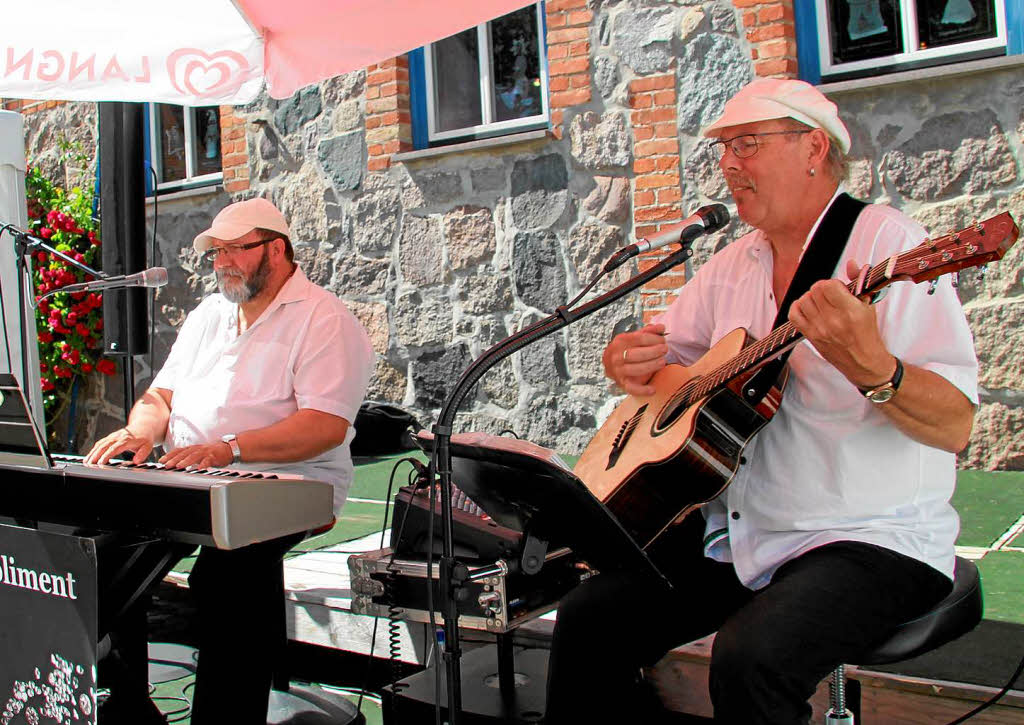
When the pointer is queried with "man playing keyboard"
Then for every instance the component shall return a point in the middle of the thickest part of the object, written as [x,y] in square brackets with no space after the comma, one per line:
[266,375]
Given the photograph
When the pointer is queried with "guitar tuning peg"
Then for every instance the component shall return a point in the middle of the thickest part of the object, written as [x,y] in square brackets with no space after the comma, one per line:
[932,285]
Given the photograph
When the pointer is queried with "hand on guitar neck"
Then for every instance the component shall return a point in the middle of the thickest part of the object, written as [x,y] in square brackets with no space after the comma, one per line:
[632,358]
[844,330]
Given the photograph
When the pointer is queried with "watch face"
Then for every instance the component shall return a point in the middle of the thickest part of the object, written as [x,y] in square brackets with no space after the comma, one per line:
[881,396]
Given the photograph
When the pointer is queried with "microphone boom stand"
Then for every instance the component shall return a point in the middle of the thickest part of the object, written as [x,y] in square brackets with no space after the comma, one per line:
[27,243]
[441,455]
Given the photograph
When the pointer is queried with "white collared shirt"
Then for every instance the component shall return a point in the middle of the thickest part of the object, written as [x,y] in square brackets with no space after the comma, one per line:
[306,351]
[830,466]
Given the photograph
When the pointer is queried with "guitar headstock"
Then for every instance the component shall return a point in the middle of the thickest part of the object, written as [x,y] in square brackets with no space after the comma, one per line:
[978,244]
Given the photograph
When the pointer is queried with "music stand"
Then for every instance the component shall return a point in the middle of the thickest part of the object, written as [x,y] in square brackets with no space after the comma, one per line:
[20,441]
[527,487]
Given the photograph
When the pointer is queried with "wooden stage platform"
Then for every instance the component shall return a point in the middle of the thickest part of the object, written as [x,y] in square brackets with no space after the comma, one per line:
[319,600]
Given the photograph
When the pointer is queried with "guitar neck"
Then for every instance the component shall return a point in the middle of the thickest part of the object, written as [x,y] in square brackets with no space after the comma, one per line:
[971,246]
[777,342]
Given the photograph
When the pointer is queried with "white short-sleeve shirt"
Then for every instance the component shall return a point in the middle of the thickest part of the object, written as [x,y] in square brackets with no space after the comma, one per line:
[306,350]
[830,466]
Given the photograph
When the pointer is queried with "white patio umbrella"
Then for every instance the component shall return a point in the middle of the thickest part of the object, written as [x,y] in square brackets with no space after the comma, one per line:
[195,53]
[208,52]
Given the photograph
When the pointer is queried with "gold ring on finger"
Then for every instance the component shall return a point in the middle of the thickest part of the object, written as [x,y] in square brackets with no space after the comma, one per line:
[625,355]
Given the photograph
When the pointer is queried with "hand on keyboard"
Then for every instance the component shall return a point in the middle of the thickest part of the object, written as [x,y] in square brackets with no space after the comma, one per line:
[120,441]
[209,455]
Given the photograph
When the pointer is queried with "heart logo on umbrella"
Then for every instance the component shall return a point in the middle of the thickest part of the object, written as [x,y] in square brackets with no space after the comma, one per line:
[207,75]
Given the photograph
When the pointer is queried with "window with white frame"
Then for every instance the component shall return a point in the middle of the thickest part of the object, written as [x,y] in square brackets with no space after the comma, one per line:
[184,145]
[488,80]
[860,36]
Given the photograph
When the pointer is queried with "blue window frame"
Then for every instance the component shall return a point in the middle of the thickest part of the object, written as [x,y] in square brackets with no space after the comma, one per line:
[840,39]
[183,147]
[488,80]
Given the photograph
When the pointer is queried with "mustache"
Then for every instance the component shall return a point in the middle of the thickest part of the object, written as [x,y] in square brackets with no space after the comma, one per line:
[735,181]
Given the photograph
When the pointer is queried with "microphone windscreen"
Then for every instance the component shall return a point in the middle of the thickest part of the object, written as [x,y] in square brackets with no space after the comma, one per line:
[715,217]
[155,277]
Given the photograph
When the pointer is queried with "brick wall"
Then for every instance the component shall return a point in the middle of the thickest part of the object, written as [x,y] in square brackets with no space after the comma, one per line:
[568,41]
[388,118]
[656,187]
[234,150]
[26,106]
[771,33]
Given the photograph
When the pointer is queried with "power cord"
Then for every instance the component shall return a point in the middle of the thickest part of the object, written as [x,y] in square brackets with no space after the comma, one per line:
[392,651]
[995,698]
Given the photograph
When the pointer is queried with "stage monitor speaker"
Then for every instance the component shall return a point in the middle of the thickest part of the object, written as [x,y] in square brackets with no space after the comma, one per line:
[123,225]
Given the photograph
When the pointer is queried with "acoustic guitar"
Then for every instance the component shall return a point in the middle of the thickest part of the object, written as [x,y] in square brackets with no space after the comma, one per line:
[659,457]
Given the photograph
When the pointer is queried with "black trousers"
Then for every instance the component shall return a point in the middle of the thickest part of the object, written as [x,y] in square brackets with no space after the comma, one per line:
[773,646]
[242,631]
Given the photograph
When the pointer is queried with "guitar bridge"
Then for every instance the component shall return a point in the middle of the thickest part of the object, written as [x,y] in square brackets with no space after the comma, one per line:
[623,436]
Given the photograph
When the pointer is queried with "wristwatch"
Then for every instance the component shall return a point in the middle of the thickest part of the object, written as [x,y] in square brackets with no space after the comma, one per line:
[232,440]
[884,392]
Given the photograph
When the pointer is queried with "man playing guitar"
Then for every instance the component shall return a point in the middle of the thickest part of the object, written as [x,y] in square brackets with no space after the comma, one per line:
[837,525]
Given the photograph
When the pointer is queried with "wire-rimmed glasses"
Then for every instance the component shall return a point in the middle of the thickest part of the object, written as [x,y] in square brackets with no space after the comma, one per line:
[745,145]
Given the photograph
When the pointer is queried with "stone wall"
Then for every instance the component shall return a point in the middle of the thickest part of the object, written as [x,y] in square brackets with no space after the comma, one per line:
[951,152]
[443,255]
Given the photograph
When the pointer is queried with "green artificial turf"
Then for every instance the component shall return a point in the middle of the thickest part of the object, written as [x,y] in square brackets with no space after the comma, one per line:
[989,502]
[373,473]
[1002,582]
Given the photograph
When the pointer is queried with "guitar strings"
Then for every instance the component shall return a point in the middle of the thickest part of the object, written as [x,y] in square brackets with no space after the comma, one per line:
[777,340]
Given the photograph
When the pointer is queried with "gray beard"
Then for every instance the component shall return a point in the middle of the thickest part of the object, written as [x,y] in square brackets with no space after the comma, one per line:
[250,286]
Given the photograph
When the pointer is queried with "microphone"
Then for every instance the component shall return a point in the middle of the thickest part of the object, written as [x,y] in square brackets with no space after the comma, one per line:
[152,277]
[705,220]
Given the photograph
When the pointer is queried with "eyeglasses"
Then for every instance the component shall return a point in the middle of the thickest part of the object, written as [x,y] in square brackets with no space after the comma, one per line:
[745,146]
[232,249]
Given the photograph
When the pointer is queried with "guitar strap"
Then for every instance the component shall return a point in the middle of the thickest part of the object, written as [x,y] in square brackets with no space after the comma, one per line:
[819,262]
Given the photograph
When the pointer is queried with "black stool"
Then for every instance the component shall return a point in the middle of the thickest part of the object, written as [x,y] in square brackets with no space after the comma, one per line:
[954,616]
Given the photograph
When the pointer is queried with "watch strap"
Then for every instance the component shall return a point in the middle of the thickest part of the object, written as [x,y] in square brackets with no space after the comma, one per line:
[892,383]
[236,452]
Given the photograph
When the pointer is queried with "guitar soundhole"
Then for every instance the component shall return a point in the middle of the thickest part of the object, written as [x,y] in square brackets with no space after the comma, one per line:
[677,406]
[623,436]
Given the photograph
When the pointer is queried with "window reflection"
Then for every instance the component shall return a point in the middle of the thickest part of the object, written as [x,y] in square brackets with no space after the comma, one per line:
[457,81]
[173,164]
[207,141]
[943,22]
[517,84]
[863,29]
